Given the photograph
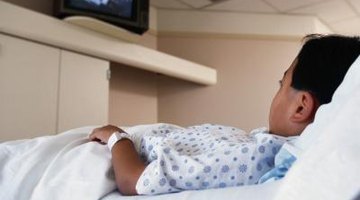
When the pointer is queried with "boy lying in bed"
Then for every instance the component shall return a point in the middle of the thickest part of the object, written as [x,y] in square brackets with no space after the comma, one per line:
[172,158]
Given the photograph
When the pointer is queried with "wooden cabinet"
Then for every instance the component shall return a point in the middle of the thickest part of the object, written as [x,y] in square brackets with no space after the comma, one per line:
[29,77]
[46,90]
[84,91]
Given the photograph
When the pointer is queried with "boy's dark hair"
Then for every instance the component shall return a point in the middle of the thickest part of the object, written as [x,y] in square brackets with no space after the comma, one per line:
[322,64]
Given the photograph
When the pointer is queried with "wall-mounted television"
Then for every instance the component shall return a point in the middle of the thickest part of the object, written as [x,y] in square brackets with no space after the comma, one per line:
[132,15]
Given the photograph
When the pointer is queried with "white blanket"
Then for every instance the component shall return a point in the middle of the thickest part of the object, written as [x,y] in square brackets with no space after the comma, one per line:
[65,166]
[68,166]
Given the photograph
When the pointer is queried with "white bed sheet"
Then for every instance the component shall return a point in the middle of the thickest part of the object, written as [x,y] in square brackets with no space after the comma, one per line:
[265,191]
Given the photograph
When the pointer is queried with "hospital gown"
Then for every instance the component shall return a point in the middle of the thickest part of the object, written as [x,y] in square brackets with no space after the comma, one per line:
[204,156]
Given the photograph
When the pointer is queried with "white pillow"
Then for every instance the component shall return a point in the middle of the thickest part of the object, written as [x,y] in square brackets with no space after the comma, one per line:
[328,164]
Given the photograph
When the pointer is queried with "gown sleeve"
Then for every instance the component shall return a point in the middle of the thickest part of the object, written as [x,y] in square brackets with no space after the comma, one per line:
[221,165]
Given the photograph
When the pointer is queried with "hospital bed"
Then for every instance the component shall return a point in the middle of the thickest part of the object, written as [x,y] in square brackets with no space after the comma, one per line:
[328,164]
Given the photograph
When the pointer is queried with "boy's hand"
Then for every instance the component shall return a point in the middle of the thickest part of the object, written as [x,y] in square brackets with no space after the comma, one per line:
[103,134]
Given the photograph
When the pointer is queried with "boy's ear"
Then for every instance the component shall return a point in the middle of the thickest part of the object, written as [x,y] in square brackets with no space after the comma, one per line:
[304,107]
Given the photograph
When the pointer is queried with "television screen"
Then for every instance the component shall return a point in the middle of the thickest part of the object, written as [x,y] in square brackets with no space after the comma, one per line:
[129,14]
[121,8]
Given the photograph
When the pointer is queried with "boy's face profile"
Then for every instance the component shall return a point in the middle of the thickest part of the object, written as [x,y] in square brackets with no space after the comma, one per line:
[282,106]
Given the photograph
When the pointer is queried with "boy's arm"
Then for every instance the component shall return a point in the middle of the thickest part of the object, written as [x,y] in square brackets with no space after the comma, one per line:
[127,166]
[126,162]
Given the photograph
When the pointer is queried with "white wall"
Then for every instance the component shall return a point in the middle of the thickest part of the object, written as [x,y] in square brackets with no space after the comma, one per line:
[248,74]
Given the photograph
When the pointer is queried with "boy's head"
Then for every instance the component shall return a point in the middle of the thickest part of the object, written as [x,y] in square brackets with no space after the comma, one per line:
[311,81]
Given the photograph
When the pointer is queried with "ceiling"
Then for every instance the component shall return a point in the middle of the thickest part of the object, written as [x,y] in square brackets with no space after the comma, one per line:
[340,16]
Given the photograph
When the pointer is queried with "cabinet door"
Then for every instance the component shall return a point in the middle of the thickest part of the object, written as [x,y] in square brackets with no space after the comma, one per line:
[29,76]
[84,91]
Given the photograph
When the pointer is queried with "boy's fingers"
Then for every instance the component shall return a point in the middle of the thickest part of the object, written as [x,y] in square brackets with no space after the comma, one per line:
[92,136]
